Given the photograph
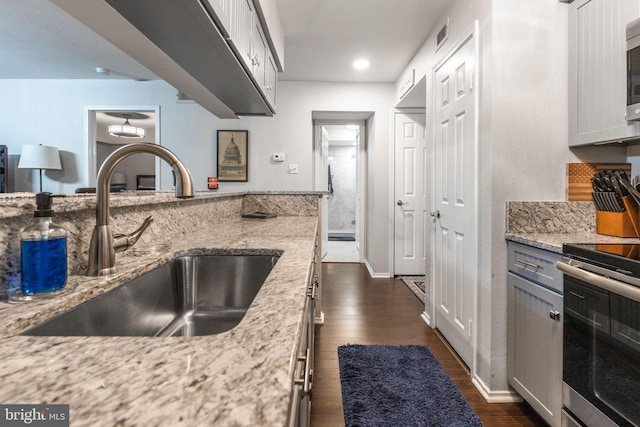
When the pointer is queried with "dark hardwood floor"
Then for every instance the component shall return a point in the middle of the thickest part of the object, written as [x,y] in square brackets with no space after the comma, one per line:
[361,310]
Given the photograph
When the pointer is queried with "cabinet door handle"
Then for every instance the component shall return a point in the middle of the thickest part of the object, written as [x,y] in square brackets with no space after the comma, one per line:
[305,382]
[528,264]
[554,314]
[311,290]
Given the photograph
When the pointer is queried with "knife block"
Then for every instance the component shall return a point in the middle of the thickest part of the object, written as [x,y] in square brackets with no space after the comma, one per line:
[619,224]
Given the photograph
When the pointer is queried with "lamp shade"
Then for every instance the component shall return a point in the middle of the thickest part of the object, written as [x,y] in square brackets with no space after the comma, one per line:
[39,157]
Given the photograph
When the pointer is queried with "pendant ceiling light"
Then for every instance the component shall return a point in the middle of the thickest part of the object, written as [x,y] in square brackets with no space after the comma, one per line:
[126,130]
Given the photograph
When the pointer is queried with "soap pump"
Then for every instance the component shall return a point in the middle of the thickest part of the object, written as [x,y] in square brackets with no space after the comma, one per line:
[43,250]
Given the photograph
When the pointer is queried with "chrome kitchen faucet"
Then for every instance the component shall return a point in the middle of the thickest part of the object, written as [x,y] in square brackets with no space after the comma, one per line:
[103,247]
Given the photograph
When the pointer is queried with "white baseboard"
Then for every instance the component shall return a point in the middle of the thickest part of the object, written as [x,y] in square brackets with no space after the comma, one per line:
[501,396]
[426,318]
[376,275]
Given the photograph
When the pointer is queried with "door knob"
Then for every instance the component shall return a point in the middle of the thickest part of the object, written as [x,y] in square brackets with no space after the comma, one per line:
[435,214]
[400,203]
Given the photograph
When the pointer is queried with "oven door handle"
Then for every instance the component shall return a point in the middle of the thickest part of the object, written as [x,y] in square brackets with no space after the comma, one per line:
[627,291]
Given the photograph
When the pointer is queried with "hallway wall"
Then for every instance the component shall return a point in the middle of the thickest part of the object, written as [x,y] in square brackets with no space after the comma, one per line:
[58,109]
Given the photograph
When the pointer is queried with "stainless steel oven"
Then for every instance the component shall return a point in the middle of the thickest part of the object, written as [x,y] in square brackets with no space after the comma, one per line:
[601,335]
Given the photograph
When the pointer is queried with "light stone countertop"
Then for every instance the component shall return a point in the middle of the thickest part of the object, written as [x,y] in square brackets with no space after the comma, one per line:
[553,242]
[237,378]
[15,204]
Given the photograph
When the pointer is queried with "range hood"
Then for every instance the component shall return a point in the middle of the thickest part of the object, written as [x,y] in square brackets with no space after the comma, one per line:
[178,41]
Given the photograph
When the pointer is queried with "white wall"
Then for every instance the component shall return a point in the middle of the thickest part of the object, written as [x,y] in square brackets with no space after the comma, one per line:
[52,112]
[529,128]
[291,131]
[523,148]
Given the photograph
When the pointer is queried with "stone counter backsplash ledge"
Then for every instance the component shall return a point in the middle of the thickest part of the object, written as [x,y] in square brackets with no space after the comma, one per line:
[172,219]
[550,217]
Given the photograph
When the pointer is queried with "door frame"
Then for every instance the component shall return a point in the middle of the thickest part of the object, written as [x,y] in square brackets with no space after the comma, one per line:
[471,33]
[90,133]
[343,119]
[428,181]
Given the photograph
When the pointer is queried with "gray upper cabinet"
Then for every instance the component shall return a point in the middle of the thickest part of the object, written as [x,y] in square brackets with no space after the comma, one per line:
[240,31]
[259,54]
[248,41]
[222,14]
[597,71]
[270,79]
[203,48]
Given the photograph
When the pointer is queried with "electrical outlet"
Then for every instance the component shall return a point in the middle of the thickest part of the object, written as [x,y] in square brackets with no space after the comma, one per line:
[293,168]
[277,157]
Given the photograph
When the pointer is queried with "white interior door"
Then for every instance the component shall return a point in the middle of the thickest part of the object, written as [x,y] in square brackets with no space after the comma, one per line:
[454,161]
[410,194]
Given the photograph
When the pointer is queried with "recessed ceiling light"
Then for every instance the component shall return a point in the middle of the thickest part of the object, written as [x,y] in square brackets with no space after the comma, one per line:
[360,64]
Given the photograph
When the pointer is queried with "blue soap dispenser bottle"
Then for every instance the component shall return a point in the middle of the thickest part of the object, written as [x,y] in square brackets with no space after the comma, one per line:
[43,251]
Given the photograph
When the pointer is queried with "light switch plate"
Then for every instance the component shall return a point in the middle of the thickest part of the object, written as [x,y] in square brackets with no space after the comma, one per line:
[293,168]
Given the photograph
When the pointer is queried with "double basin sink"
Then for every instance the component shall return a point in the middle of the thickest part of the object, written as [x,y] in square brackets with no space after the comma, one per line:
[188,296]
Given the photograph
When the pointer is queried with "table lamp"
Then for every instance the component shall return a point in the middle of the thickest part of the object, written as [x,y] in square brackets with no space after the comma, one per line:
[39,157]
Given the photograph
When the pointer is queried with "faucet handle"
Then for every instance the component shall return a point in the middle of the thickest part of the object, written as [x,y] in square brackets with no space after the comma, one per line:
[122,242]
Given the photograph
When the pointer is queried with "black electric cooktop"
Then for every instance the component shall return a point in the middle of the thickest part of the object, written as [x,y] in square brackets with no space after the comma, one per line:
[613,256]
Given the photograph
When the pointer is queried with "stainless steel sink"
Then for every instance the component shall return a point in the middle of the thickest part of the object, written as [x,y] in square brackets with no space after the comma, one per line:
[190,295]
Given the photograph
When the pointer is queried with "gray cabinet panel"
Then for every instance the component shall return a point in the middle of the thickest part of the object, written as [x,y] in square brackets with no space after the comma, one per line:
[534,329]
[536,265]
[535,346]
[221,14]
[240,30]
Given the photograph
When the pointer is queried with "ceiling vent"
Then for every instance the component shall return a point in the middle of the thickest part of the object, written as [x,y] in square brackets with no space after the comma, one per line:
[443,35]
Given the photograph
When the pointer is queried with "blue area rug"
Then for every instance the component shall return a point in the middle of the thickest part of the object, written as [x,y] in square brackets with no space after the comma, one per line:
[399,386]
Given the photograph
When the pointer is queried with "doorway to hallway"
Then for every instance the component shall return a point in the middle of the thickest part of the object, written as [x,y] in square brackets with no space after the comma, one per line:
[340,149]
[100,144]
[343,212]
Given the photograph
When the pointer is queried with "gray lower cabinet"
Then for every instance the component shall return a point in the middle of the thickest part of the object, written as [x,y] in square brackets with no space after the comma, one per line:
[534,332]
[300,410]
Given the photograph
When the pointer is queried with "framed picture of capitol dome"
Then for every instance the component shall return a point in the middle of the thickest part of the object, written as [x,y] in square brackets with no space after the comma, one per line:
[232,155]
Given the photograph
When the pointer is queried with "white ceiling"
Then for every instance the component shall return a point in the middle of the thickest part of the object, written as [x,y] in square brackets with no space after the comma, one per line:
[322,38]
[40,41]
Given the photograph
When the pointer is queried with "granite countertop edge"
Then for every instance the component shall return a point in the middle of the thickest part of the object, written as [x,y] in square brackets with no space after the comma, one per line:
[553,242]
[16,204]
[240,377]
